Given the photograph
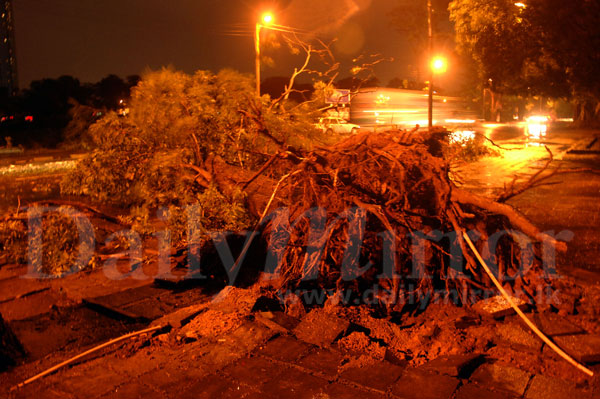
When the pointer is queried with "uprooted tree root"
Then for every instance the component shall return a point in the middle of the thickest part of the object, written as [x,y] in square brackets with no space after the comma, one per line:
[378,213]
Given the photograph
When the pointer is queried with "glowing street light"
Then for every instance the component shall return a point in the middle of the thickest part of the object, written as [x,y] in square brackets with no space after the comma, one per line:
[438,65]
[520,5]
[267,19]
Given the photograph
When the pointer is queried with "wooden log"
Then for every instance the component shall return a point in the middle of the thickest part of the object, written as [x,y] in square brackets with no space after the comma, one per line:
[516,219]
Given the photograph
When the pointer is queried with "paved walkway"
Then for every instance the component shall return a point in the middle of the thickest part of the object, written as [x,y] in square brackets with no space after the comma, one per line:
[264,357]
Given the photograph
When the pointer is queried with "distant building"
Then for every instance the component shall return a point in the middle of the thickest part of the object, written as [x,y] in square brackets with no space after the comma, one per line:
[9,85]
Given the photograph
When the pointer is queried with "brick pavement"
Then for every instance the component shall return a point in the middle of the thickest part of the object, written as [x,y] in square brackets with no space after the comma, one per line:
[255,361]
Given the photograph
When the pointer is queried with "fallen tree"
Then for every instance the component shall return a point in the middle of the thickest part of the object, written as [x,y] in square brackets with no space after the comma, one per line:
[379,209]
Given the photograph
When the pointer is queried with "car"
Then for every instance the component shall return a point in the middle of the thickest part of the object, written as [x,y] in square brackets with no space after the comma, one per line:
[336,125]
[537,126]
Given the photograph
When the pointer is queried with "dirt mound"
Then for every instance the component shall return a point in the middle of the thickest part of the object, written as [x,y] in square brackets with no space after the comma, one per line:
[211,324]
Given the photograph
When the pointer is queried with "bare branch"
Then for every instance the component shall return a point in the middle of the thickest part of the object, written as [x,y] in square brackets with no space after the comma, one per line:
[494,144]
[261,170]
[323,52]
[534,180]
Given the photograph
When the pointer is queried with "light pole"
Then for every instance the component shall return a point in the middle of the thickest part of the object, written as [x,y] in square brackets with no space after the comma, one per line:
[429,55]
[266,19]
[438,65]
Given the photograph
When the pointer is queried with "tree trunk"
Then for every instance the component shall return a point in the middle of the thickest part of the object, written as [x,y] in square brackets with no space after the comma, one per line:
[587,113]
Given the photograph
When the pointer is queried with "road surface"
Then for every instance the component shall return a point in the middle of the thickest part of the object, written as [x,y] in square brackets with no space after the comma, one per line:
[569,202]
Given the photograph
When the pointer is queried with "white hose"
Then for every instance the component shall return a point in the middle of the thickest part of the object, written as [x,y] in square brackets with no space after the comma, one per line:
[536,330]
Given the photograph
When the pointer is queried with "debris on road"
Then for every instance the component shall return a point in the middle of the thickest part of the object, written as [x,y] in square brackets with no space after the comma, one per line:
[385,200]
[497,306]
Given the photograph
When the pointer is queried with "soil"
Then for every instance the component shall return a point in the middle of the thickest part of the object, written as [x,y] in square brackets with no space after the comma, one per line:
[359,344]
[423,337]
[415,339]
[211,324]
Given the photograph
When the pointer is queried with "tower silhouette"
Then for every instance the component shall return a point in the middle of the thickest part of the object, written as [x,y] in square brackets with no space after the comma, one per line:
[9,85]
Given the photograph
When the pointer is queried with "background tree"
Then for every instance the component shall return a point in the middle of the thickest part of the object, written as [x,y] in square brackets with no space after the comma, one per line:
[48,99]
[569,35]
[547,48]
[109,91]
[55,106]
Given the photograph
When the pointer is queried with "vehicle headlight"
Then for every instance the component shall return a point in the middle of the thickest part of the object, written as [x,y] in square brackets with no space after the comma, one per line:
[537,126]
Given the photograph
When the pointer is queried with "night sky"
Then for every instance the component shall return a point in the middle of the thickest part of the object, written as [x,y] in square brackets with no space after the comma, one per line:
[90,39]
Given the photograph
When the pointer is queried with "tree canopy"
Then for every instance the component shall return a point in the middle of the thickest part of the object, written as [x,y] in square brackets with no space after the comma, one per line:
[546,47]
[160,154]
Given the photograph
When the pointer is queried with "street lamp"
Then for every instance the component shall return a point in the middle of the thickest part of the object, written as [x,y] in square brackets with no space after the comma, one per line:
[438,65]
[267,19]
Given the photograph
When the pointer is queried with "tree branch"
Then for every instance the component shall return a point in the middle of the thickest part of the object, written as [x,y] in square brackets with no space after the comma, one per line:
[515,218]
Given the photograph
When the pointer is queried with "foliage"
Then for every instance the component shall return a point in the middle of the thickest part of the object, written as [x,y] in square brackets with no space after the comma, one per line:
[547,47]
[61,245]
[169,109]
[13,241]
[53,247]
[178,119]
[496,36]
[159,155]
[211,211]
[466,148]
[111,172]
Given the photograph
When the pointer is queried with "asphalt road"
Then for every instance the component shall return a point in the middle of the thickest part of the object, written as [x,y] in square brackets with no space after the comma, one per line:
[521,156]
[558,137]
[567,203]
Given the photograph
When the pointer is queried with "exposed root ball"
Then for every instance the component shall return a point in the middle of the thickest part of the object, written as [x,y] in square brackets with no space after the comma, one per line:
[375,217]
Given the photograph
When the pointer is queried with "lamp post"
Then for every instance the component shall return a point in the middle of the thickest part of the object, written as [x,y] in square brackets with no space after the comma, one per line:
[438,65]
[266,19]
[429,54]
